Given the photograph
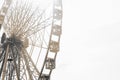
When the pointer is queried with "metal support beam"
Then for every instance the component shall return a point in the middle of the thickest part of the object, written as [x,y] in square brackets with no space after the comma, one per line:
[5,63]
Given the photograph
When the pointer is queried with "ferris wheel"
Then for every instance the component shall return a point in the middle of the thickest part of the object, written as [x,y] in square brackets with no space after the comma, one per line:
[30,37]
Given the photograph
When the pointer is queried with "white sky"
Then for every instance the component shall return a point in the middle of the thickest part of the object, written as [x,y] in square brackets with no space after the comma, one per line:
[90,43]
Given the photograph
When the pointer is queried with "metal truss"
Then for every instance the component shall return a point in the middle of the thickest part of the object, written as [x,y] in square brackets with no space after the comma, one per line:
[16,63]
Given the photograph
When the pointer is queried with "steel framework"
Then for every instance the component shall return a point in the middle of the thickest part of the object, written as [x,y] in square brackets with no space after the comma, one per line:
[16,62]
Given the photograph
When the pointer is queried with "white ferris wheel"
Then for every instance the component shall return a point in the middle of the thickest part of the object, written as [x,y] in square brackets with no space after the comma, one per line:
[30,38]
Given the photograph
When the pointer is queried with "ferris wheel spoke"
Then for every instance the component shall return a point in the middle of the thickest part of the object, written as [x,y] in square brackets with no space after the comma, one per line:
[5,63]
[38,29]
[40,51]
[15,64]
[38,56]
[27,20]
[3,52]
[43,40]
[32,47]
[39,46]
[38,19]
[40,39]
[23,70]
[30,60]
[31,68]
[1,55]
[27,66]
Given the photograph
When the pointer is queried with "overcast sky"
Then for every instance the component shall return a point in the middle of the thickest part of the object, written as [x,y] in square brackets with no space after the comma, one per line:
[90,43]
